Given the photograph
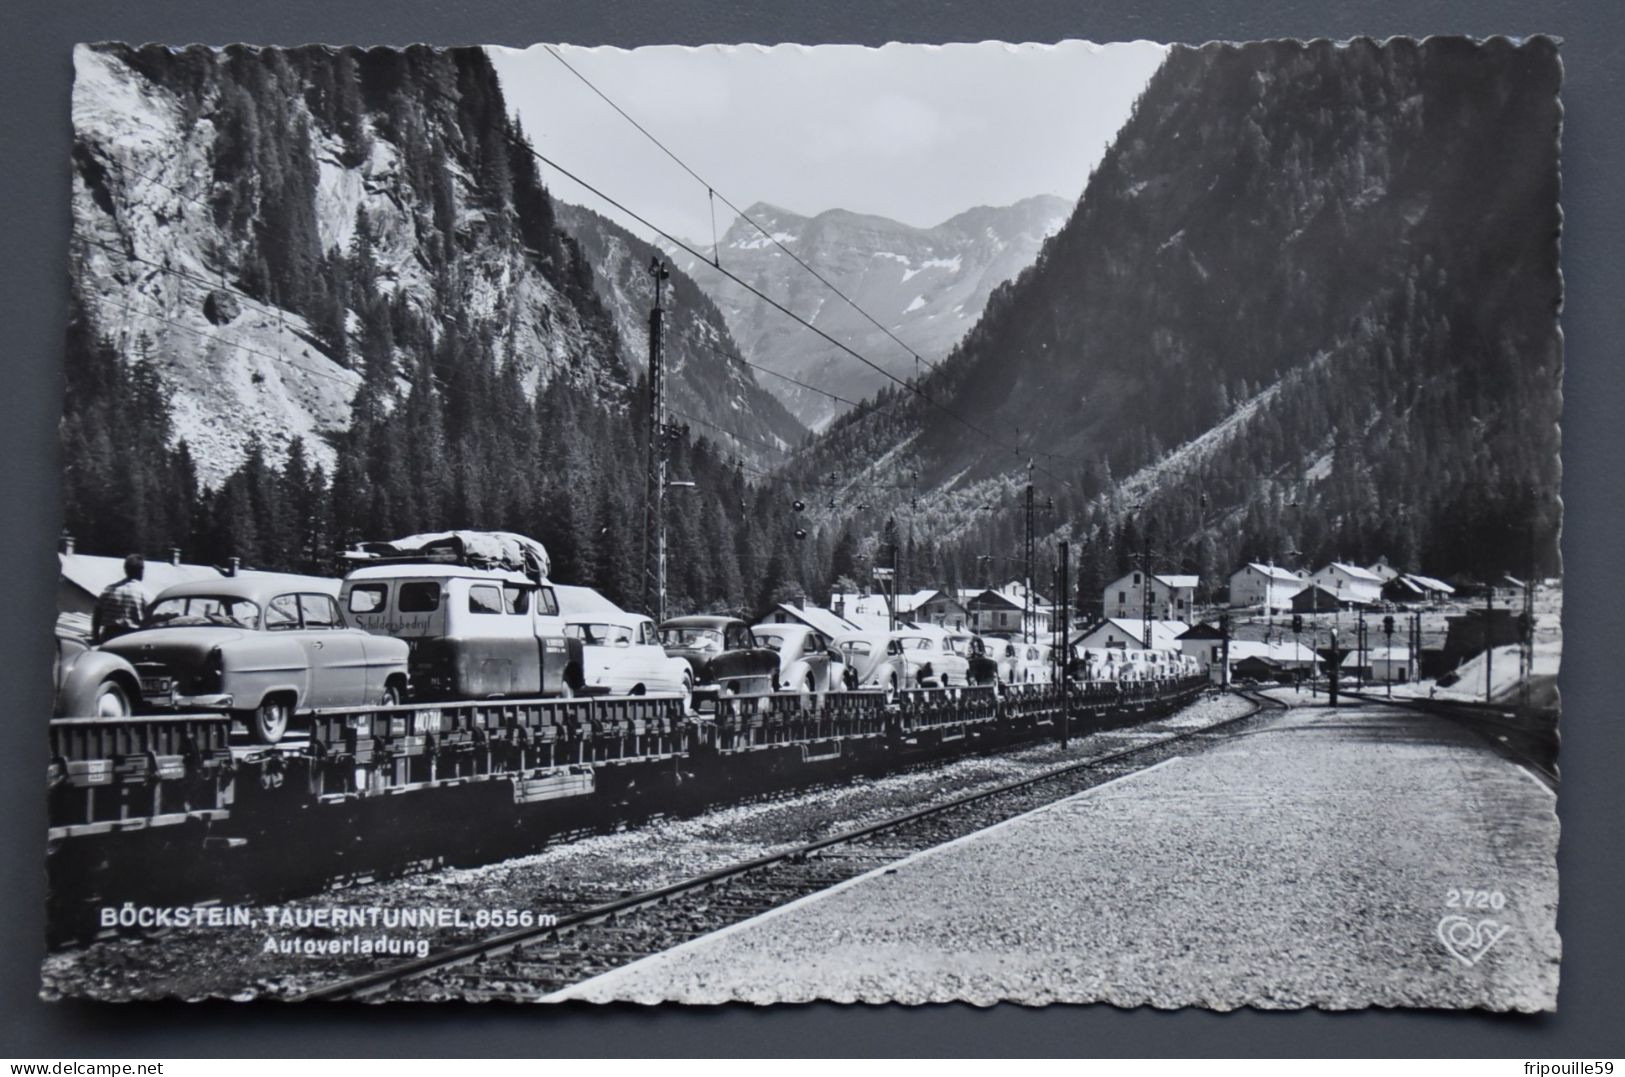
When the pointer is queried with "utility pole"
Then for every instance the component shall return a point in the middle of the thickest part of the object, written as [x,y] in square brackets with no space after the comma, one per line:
[1362,652]
[1066,630]
[654,502]
[1145,585]
[1028,613]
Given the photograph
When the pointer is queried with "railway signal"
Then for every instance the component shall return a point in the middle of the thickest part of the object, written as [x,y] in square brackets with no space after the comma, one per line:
[1388,630]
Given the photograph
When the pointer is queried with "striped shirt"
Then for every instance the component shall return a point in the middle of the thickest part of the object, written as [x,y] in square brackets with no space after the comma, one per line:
[119,609]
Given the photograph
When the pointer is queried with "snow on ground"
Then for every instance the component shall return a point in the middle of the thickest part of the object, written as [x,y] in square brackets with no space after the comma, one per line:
[952,265]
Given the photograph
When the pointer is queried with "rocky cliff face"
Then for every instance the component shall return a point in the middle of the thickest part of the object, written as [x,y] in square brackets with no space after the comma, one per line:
[708,384]
[926,285]
[272,230]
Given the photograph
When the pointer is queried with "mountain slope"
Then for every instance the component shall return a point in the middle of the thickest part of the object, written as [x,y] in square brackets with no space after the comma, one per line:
[321,295]
[926,285]
[224,203]
[705,378]
[1343,256]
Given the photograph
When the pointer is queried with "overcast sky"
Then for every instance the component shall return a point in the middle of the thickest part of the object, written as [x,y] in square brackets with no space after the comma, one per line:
[913,132]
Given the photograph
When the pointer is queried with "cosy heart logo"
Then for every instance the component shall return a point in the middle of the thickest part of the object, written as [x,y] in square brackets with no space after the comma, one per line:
[1467,941]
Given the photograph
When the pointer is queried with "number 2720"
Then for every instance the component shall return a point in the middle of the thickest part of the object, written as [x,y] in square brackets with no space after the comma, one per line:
[1474,899]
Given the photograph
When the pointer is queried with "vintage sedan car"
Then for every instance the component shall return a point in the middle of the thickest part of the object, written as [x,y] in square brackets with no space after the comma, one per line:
[724,657]
[265,646]
[91,683]
[933,662]
[621,655]
[1033,663]
[872,659]
[805,664]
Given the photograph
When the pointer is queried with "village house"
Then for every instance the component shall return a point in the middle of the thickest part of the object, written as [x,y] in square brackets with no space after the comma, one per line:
[1381,569]
[1173,598]
[1116,632]
[933,607]
[1351,584]
[1002,611]
[1268,587]
[1380,664]
[1314,599]
[873,612]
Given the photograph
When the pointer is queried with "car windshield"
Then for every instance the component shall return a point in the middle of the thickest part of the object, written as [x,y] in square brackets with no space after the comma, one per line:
[959,644]
[225,610]
[855,647]
[770,641]
[691,636]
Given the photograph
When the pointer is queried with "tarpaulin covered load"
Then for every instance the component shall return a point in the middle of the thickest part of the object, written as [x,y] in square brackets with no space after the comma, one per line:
[476,549]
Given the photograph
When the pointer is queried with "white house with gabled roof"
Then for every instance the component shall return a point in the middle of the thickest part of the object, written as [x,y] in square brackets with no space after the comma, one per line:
[1173,597]
[1266,586]
[1353,585]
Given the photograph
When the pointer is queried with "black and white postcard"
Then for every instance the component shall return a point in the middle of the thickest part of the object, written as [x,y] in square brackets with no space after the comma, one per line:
[984,522]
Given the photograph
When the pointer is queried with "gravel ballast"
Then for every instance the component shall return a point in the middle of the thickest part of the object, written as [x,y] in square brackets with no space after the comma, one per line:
[1311,863]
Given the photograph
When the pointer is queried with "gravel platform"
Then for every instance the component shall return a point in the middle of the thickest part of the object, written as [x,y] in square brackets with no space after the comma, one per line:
[1311,863]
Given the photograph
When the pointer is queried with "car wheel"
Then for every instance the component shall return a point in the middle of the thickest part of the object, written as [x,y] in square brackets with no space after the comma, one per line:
[687,692]
[808,687]
[111,702]
[891,688]
[268,722]
[391,698]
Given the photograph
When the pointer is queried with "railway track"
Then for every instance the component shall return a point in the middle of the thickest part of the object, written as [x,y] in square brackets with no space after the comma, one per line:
[535,963]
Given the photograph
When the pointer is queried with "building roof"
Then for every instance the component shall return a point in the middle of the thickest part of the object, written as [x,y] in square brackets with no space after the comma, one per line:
[910,603]
[1018,590]
[1283,651]
[866,612]
[1163,633]
[1203,631]
[1428,583]
[818,619]
[1178,581]
[1376,654]
[94,574]
[1274,572]
[995,598]
[1354,572]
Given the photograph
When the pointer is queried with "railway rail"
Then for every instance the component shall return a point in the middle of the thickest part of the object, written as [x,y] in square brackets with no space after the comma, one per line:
[537,962]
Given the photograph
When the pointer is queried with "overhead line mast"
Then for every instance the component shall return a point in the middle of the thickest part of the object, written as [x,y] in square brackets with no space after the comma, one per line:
[654,507]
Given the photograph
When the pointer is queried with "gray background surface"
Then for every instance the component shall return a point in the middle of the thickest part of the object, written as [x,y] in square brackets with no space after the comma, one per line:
[34,182]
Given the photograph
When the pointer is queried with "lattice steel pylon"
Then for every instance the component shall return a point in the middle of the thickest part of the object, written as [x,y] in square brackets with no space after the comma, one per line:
[654,500]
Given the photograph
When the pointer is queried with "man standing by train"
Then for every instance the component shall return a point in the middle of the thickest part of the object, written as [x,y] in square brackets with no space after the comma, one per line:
[121,606]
